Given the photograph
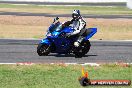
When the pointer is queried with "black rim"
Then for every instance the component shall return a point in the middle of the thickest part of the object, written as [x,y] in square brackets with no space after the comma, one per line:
[83,49]
[86,47]
[44,49]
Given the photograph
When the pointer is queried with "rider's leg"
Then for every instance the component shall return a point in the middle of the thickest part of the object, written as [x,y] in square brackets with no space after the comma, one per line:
[90,32]
[80,38]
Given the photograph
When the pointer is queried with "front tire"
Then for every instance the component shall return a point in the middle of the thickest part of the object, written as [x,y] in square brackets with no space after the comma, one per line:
[83,49]
[43,49]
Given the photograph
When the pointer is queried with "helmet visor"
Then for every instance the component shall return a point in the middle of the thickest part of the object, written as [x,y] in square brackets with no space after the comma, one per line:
[75,15]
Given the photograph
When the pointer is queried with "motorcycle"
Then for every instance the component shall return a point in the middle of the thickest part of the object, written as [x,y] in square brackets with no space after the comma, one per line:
[56,41]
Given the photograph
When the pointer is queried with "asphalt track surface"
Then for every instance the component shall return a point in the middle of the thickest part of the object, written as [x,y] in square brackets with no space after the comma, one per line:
[17,51]
[62,3]
[64,15]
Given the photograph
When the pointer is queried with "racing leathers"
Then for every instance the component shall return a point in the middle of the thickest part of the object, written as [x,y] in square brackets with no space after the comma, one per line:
[79,29]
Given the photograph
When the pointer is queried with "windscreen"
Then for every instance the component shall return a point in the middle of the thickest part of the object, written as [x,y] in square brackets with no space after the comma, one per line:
[55,27]
[58,27]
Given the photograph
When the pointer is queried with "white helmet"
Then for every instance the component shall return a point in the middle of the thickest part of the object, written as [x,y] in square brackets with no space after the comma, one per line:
[76,14]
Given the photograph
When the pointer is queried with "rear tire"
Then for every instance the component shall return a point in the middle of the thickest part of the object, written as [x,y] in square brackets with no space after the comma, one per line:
[83,49]
[43,49]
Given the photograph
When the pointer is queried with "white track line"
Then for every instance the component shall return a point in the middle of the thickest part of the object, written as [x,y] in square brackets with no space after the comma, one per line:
[90,64]
[30,63]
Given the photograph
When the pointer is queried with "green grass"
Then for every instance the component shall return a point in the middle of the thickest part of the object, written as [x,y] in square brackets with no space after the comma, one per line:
[58,76]
[120,10]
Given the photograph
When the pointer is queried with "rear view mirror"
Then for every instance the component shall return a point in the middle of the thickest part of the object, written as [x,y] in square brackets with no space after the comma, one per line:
[55,19]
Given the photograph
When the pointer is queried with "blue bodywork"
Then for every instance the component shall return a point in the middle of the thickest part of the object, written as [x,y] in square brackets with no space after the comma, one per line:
[55,37]
[93,31]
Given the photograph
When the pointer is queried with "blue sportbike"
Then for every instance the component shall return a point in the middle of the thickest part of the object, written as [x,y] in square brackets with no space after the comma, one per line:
[56,41]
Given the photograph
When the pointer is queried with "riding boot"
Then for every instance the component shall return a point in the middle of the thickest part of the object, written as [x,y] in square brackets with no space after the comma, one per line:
[78,42]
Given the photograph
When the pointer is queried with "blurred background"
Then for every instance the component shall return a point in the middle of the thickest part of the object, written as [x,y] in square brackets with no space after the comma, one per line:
[31,18]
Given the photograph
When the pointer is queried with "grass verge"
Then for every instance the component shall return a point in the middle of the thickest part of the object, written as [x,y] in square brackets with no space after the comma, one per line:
[58,76]
[66,9]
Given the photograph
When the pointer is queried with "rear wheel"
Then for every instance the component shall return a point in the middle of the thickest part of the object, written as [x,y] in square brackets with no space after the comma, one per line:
[83,49]
[43,49]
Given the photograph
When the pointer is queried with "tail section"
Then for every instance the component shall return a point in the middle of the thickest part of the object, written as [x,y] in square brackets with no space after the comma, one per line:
[93,31]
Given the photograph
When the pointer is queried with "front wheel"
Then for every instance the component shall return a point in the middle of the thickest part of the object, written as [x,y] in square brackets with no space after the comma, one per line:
[43,49]
[83,49]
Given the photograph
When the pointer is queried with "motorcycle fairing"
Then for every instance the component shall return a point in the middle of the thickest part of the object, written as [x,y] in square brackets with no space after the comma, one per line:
[93,31]
[68,29]
[61,44]
[45,41]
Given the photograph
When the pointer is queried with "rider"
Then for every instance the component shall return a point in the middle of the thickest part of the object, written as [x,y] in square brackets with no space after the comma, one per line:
[79,25]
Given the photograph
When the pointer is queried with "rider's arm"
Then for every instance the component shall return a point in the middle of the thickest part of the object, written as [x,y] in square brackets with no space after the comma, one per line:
[82,24]
[67,23]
